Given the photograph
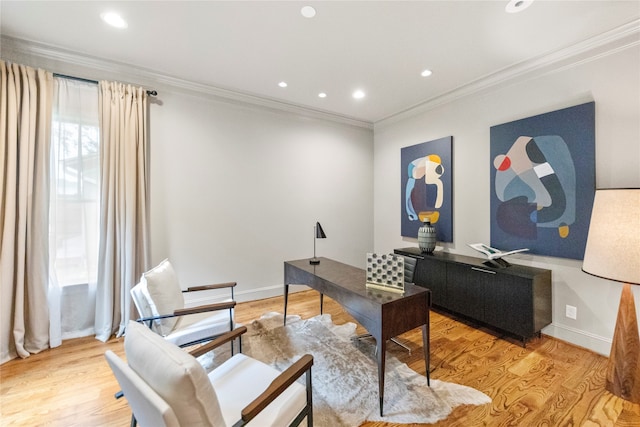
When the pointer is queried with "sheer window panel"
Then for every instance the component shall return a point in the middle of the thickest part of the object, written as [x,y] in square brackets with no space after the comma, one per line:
[74,209]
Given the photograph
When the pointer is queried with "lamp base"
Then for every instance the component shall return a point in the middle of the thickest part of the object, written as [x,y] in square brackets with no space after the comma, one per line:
[314,261]
[623,371]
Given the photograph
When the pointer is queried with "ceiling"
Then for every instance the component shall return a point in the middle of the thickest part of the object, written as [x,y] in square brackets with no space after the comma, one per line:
[378,47]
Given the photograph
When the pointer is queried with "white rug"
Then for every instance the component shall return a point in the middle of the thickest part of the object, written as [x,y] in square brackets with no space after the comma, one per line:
[345,373]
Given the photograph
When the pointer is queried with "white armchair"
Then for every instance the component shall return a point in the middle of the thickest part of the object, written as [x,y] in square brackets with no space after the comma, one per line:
[166,386]
[159,300]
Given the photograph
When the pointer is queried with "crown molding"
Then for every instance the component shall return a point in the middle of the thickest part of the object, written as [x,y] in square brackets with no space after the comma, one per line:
[610,42]
[146,77]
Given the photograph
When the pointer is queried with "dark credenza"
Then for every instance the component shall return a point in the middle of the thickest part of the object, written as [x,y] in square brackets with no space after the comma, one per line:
[514,299]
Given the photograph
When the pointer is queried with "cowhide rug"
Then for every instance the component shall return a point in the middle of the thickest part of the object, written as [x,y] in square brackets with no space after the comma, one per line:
[345,373]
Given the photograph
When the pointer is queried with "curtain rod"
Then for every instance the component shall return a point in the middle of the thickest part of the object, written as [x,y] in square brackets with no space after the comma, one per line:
[80,79]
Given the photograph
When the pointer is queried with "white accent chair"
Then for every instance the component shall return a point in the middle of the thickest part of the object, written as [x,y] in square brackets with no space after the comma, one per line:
[166,386]
[161,304]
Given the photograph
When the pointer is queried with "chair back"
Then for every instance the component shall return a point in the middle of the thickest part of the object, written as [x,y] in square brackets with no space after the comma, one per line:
[148,407]
[175,375]
[141,300]
[409,268]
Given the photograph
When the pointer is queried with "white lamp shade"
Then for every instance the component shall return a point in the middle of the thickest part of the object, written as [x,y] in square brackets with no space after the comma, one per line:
[613,244]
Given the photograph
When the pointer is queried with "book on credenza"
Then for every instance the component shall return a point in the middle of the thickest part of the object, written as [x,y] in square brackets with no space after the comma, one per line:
[493,253]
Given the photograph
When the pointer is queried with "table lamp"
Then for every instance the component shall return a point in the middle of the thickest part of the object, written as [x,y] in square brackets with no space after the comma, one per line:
[318,233]
[613,252]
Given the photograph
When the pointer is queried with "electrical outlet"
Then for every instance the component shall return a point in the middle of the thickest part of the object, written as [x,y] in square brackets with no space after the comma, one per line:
[571,312]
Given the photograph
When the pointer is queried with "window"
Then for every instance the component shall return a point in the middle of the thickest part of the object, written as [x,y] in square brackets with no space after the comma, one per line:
[75,183]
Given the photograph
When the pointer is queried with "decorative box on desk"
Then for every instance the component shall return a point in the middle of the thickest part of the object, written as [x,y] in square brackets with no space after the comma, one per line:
[515,299]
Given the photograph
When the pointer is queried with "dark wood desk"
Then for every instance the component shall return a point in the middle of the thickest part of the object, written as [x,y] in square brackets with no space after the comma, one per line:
[384,314]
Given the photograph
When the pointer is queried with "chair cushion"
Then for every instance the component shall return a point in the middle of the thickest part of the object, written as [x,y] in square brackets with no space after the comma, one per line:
[195,327]
[165,294]
[174,374]
[239,380]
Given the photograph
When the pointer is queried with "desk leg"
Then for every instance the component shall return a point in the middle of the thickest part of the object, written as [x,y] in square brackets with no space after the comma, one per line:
[381,346]
[427,352]
[286,300]
[321,302]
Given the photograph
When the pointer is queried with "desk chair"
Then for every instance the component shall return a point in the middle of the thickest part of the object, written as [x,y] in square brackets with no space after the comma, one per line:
[409,271]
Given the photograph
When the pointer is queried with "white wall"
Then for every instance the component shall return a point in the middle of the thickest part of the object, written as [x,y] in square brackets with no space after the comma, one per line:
[236,190]
[613,82]
[235,187]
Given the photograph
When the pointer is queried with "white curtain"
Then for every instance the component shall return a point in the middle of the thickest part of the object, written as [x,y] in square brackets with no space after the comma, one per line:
[25,125]
[74,209]
[124,250]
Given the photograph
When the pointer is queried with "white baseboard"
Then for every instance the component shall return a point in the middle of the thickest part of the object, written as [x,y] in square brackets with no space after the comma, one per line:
[260,293]
[246,295]
[593,342]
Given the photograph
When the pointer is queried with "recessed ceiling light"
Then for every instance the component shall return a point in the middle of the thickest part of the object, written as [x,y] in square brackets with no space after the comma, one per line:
[358,94]
[515,6]
[113,19]
[426,73]
[322,95]
[282,84]
[308,12]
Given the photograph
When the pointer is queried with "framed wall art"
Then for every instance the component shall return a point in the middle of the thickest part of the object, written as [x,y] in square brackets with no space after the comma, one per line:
[543,182]
[426,188]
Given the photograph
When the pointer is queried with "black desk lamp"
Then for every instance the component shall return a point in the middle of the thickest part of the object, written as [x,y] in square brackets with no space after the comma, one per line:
[317,234]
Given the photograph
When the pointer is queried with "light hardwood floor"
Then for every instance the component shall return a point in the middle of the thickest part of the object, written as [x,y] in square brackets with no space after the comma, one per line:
[548,383]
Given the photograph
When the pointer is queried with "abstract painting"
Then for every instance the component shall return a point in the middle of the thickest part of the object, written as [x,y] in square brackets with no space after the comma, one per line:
[543,182]
[426,183]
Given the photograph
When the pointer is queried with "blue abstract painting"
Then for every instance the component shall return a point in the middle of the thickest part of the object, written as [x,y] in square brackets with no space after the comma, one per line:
[426,183]
[543,182]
